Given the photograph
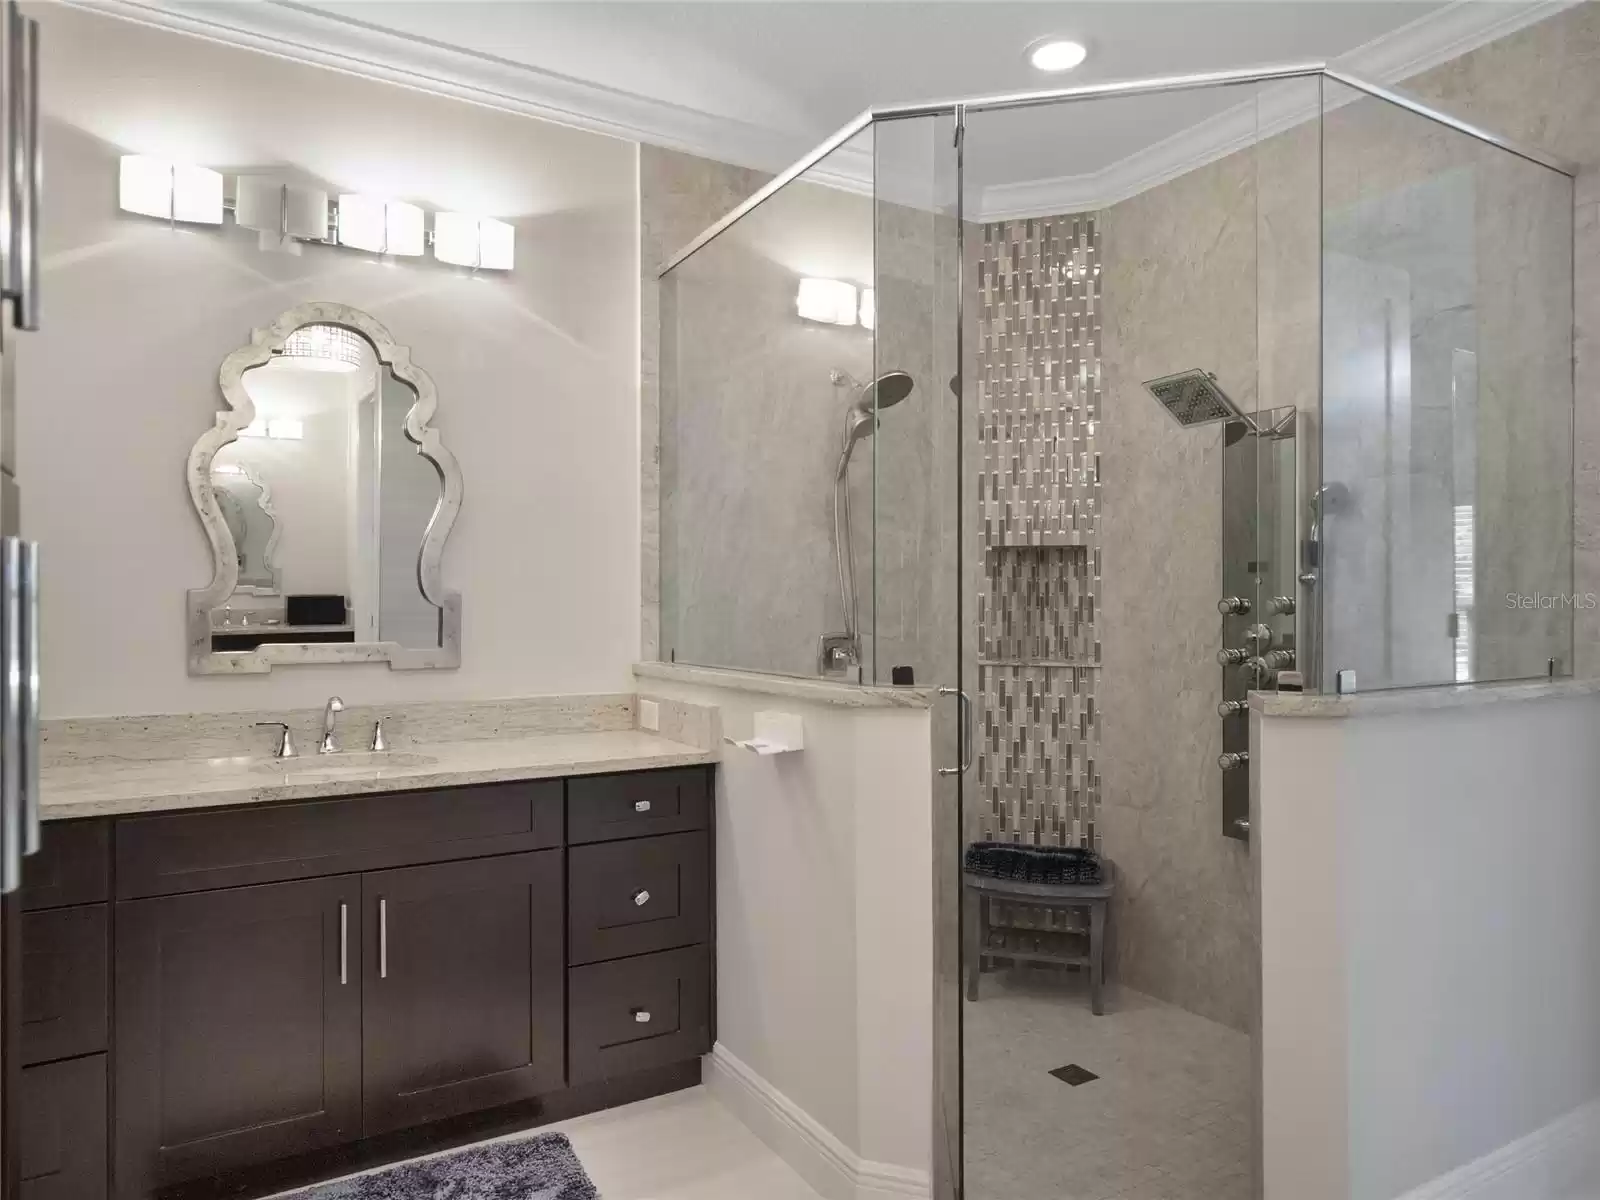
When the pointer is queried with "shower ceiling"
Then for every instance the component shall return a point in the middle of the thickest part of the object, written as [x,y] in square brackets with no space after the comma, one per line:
[760,83]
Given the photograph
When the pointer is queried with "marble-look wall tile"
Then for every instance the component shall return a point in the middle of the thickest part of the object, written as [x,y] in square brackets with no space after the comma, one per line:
[1183,927]
[1586,290]
[679,195]
[81,741]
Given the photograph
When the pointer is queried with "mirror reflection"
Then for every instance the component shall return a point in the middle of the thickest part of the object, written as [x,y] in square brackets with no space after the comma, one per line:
[326,497]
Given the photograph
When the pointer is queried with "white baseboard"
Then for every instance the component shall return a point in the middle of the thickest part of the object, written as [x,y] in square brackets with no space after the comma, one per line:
[832,1169]
[1559,1162]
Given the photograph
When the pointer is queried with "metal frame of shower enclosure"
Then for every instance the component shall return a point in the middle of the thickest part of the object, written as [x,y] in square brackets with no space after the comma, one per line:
[1094,91]
[949,1143]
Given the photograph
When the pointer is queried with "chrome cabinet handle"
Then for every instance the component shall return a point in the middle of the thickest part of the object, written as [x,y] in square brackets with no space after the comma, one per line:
[383,938]
[10,185]
[28,169]
[344,944]
[641,1016]
[10,714]
[641,898]
[30,697]
[641,806]
[965,760]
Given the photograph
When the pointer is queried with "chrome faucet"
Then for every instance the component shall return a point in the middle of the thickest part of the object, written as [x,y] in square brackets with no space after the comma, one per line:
[328,746]
[285,747]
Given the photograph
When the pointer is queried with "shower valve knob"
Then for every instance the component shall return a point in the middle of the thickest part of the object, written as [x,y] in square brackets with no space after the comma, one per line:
[1232,658]
[1233,606]
[1228,707]
[1233,759]
[1283,605]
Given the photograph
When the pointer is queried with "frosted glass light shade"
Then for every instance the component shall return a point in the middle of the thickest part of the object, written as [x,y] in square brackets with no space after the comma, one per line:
[869,308]
[831,301]
[469,241]
[153,187]
[403,228]
[363,223]
[496,245]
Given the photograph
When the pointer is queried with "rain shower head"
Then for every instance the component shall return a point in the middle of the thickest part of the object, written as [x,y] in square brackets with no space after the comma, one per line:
[1193,398]
[885,391]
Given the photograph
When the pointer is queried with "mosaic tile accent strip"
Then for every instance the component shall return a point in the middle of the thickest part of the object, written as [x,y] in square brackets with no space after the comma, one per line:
[1039,506]
[1039,381]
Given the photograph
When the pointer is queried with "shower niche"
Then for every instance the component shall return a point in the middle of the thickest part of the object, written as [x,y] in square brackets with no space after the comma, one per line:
[1260,549]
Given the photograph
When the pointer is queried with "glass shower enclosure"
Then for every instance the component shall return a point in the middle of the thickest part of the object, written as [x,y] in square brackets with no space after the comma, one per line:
[1100,409]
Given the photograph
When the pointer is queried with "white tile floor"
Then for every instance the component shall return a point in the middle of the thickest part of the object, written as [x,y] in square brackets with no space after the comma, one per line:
[684,1146]
[1169,1118]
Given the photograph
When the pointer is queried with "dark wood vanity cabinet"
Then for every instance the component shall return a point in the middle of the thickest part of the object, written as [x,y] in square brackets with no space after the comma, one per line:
[274,983]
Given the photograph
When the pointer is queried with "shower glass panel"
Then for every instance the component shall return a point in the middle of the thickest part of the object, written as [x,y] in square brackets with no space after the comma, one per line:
[765,364]
[1443,527]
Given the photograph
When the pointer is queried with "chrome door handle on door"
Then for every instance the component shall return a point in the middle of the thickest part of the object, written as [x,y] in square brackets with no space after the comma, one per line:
[965,702]
[383,939]
[11,774]
[30,698]
[27,167]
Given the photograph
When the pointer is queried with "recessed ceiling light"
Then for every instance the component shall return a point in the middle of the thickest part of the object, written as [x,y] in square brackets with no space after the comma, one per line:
[1056,54]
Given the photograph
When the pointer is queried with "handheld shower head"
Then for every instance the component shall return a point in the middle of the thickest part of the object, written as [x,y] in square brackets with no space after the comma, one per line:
[885,391]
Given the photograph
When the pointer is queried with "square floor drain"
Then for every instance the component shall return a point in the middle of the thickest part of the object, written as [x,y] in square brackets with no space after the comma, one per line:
[1074,1074]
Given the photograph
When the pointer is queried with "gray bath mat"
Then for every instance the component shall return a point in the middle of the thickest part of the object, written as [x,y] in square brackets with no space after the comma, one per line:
[536,1168]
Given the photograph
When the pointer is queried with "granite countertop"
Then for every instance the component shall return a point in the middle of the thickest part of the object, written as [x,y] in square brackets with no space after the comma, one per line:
[1417,699]
[113,786]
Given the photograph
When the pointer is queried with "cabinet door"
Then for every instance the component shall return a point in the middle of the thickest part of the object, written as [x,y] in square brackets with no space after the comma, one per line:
[62,1130]
[463,980]
[238,1028]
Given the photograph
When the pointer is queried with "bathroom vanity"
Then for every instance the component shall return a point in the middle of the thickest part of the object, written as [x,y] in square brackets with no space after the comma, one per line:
[238,997]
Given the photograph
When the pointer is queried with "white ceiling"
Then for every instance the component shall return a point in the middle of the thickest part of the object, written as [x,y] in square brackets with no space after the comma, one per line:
[759,82]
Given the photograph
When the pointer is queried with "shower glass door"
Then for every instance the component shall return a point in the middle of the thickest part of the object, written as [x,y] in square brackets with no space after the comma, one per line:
[1103,1026]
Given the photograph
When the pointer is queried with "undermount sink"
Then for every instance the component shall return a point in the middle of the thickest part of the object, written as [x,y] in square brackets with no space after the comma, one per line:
[355,762]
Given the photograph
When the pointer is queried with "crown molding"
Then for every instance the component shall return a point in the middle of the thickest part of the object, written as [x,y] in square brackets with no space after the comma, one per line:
[1431,40]
[291,31]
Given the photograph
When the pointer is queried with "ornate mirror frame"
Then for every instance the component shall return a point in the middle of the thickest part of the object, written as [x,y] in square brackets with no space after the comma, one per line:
[240,412]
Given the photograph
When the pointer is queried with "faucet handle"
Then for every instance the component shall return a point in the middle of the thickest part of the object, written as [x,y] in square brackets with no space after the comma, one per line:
[377,735]
[286,742]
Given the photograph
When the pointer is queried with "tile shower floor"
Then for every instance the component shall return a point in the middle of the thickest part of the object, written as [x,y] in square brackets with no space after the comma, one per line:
[1169,1117]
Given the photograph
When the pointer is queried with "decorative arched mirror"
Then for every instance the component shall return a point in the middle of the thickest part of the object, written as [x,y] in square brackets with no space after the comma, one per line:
[327,497]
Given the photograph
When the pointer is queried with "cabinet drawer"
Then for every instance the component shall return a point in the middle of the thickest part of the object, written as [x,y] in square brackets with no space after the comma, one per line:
[200,851]
[638,896]
[62,1130]
[638,1013]
[65,977]
[603,808]
[73,865]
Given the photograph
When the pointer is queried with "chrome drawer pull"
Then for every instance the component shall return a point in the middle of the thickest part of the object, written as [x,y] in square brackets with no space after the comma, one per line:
[641,806]
[641,898]
[641,1016]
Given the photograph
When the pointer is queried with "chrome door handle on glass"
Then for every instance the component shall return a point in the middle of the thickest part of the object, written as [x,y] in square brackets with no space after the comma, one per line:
[965,702]
[30,696]
[10,714]
[26,167]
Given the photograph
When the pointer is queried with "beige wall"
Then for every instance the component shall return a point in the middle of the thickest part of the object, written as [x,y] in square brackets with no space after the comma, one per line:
[536,370]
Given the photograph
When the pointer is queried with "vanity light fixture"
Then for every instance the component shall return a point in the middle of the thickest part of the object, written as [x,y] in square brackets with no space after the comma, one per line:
[153,187]
[1056,54]
[830,301]
[284,213]
[478,242]
[381,226]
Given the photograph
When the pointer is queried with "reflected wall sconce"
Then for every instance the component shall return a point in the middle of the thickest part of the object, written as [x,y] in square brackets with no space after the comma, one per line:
[152,187]
[283,428]
[288,215]
[835,302]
